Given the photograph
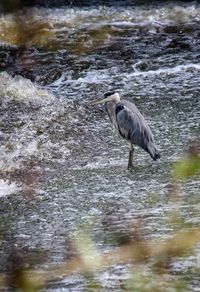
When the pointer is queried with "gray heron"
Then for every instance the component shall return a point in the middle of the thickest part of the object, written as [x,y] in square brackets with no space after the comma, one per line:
[130,124]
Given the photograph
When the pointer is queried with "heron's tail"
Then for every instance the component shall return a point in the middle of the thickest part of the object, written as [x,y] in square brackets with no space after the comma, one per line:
[153,151]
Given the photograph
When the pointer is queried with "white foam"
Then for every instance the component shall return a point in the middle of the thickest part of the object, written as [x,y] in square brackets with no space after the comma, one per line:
[32,148]
[23,144]
[7,188]
[22,89]
[173,70]
[94,77]
[103,76]
[73,19]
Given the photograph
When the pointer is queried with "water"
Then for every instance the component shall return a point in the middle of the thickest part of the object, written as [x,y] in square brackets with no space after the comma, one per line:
[62,166]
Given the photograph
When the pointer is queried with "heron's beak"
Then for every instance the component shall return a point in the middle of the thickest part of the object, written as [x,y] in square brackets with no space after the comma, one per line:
[97,101]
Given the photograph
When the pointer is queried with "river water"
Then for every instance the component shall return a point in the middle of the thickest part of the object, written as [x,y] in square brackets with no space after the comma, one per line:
[63,168]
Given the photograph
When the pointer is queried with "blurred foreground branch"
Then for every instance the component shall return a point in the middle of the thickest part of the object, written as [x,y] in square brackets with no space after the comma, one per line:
[139,252]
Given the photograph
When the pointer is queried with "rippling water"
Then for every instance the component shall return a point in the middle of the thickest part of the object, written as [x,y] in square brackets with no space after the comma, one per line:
[64,151]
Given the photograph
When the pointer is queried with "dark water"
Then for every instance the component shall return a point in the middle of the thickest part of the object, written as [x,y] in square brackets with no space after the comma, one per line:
[62,166]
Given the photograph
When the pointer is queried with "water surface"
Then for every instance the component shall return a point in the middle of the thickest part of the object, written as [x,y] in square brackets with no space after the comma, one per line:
[63,167]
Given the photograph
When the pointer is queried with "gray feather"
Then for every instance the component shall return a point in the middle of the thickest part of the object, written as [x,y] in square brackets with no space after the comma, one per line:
[134,128]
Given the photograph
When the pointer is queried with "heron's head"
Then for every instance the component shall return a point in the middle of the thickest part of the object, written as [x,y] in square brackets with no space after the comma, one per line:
[108,96]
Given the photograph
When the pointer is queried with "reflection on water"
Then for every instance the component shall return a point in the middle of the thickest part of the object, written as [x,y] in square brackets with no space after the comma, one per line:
[63,153]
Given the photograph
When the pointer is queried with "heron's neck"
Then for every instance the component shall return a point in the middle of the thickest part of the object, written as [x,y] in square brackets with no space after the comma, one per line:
[110,108]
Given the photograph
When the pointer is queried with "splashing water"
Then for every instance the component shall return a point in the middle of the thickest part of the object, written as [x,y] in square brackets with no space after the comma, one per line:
[151,55]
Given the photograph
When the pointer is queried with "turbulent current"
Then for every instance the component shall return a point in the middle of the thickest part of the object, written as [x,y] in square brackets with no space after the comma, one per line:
[62,165]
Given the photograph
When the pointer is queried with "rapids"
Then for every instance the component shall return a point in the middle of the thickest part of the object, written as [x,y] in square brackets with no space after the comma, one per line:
[62,166]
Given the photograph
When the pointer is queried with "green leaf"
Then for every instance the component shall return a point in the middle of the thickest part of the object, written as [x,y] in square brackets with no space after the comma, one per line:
[187,167]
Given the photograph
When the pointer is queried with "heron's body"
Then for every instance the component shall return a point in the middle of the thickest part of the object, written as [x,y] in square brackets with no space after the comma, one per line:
[130,124]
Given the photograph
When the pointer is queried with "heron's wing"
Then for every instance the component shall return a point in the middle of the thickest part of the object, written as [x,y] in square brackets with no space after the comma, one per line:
[132,125]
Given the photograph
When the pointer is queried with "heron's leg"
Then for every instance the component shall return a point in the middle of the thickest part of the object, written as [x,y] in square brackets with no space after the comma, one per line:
[130,160]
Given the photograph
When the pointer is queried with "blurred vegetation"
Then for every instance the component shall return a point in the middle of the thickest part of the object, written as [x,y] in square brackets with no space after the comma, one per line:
[189,165]
[149,261]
